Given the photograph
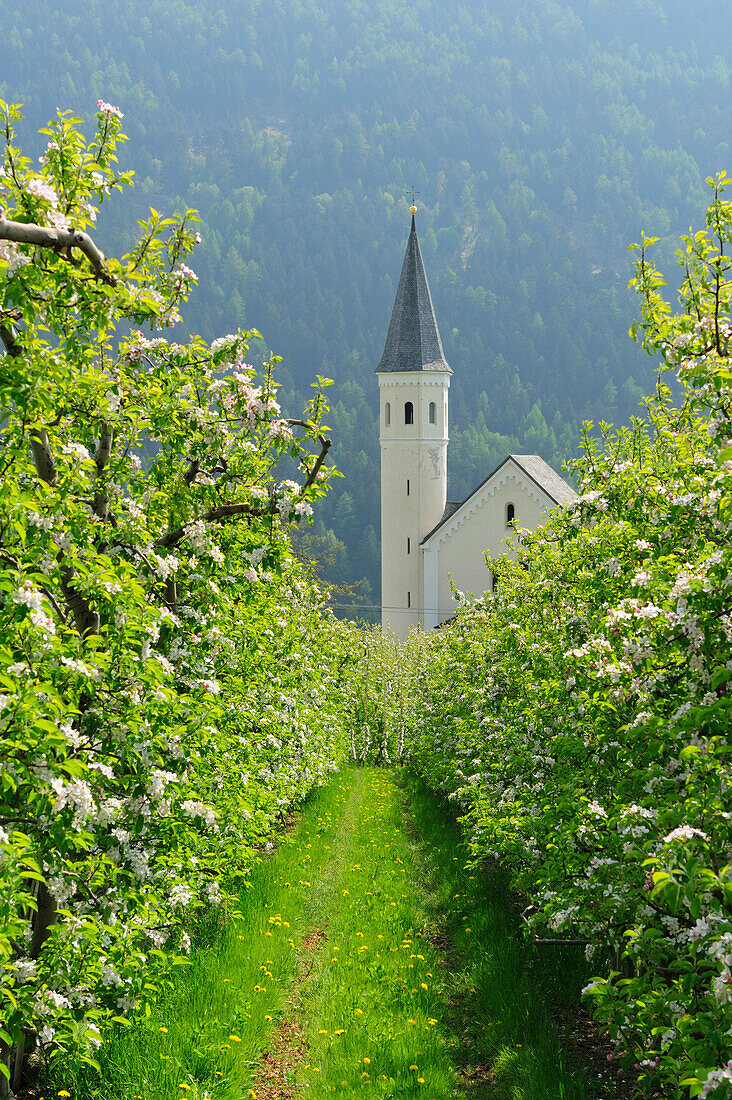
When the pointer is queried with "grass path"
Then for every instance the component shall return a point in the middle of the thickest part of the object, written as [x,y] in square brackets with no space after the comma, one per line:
[367,959]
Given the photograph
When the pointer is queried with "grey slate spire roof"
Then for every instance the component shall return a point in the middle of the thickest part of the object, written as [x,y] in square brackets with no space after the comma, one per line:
[413,340]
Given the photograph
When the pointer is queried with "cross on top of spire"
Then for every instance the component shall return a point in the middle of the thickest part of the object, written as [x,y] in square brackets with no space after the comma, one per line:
[413,207]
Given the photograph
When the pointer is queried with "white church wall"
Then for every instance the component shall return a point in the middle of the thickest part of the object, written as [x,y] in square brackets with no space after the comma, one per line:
[457,550]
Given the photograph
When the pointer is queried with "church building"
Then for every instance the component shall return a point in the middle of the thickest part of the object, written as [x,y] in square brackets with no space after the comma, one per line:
[428,541]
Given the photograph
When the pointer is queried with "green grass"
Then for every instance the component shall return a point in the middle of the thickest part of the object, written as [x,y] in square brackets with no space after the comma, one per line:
[208,1032]
[499,990]
[426,968]
[420,985]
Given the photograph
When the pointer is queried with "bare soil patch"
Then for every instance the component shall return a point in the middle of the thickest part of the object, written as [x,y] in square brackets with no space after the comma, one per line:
[287,1048]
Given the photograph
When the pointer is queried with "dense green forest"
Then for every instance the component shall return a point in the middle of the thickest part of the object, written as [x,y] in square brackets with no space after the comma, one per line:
[542,136]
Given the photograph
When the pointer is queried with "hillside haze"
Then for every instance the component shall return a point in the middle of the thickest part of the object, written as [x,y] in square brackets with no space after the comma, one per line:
[542,136]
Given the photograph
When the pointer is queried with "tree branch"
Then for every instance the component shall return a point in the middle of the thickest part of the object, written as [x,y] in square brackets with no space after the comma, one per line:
[103,454]
[43,455]
[229,511]
[40,446]
[58,240]
[192,472]
[85,618]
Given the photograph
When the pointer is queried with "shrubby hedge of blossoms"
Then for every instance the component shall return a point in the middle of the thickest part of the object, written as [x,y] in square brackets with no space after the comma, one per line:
[166,680]
[580,717]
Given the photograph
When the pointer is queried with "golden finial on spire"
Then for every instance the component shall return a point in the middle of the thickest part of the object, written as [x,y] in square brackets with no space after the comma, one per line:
[413,207]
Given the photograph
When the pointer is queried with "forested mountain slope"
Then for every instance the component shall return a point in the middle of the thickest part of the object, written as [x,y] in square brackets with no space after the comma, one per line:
[542,136]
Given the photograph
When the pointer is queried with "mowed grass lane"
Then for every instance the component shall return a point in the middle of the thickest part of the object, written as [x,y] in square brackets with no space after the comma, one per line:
[368,958]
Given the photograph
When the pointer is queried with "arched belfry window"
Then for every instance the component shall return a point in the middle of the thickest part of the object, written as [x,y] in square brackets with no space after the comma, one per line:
[433,413]
[510,515]
[409,413]
[387,414]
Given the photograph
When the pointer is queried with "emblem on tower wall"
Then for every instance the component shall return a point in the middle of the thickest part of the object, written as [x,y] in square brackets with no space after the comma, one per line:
[434,453]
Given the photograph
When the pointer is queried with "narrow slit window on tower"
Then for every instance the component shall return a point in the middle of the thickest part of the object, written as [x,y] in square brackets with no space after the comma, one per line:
[433,413]
[407,486]
[510,515]
[409,599]
[409,545]
[387,414]
[409,413]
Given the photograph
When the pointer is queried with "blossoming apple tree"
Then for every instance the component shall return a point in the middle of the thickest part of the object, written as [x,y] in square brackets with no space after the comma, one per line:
[163,697]
[588,744]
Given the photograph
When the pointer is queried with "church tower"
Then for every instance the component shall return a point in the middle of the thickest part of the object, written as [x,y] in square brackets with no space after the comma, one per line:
[414,378]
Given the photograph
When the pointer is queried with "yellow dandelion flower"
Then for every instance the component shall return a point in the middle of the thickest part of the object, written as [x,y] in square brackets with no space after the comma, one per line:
[164,1031]
[268,1017]
[63,1092]
[367,1061]
[364,1076]
[252,1094]
[186,1087]
[420,1080]
[424,985]
[235,1038]
[340,1031]
[414,1068]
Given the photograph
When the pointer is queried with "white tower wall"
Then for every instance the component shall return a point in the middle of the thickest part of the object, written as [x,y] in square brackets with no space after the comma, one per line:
[413,487]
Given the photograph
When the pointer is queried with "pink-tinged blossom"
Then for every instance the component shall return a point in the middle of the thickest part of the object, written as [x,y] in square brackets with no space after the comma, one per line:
[11,255]
[108,109]
[279,429]
[211,686]
[40,189]
[28,596]
[715,1079]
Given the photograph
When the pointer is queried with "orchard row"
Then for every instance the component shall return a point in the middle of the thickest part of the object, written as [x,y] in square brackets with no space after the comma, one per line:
[172,684]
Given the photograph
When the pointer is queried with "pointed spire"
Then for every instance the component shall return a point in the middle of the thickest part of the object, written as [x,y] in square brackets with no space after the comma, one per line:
[413,340]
